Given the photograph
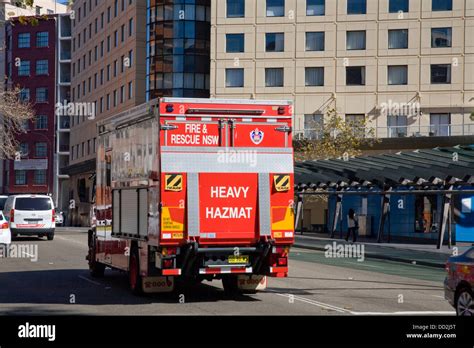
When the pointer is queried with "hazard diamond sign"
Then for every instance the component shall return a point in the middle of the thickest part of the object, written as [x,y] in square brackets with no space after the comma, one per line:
[173,182]
[282,182]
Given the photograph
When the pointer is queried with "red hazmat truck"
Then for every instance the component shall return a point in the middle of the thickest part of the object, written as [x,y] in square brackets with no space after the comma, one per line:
[195,189]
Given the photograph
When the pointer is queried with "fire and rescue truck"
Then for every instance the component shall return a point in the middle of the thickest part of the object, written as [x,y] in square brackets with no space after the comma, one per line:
[195,189]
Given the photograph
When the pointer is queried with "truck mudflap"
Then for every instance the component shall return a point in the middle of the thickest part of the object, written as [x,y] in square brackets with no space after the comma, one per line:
[252,282]
[158,284]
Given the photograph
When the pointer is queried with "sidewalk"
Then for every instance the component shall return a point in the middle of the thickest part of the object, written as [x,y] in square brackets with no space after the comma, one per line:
[420,254]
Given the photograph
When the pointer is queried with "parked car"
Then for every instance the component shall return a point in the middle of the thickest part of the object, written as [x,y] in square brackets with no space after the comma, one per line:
[5,236]
[3,199]
[59,218]
[459,283]
[31,215]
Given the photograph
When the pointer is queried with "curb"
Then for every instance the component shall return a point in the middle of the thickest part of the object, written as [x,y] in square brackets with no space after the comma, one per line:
[381,257]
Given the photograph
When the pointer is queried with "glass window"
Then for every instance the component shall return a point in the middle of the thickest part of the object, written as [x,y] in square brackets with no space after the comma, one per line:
[396,6]
[315,41]
[398,75]
[23,149]
[235,43]
[397,126]
[314,76]
[235,8]
[315,7]
[355,76]
[234,77]
[25,94]
[398,39]
[41,150]
[355,40]
[41,95]
[24,40]
[440,73]
[20,177]
[440,125]
[313,124]
[41,122]
[24,68]
[40,177]
[356,6]
[275,8]
[274,77]
[42,67]
[30,203]
[130,27]
[441,5]
[42,39]
[441,37]
[274,42]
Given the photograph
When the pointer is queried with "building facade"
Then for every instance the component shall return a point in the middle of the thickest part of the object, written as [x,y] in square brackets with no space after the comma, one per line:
[406,65]
[30,65]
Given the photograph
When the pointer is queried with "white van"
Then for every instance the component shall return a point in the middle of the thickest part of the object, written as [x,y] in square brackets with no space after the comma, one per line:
[31,215]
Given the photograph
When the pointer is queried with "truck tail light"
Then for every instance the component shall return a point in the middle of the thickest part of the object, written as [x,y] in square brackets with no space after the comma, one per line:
[282,261]
[12,215]
[54,217]
[4,226]
[168,263]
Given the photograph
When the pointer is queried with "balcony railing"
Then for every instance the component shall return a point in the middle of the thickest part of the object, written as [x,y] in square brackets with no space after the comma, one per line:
[441,130]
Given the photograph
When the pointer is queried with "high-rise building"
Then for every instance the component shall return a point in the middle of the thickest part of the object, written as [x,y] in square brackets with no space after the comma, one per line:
[407,65]
[31,66]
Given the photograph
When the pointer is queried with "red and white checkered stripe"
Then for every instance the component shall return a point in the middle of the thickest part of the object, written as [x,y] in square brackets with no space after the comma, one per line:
[240,270]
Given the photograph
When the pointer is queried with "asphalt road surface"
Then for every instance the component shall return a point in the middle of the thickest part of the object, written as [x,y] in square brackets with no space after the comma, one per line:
[59,283]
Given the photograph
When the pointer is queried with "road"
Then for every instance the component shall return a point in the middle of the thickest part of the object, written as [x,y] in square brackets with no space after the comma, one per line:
[59,283]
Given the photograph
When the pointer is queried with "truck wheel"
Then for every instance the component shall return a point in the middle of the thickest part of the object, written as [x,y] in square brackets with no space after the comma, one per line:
[230,284]
[135,279]
[96,269]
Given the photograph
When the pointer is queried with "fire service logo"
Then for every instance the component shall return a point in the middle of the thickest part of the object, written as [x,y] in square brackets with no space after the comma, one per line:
[256,136]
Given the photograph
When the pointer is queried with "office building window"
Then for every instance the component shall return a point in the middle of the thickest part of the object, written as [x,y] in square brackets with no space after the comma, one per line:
[441,37]
[396,6]
[315,41]
[41,122]
[398,75]
[441,5]
[234,78]
[235,8]
[42,67]
[122,94]
[440,73]
[355,76]
[41,150]
[25,94]
[235,43]
[313,124]
[23,149]
[315,7]
[20,177]
[356,7]
[274,42]
[355,40]
[24,40]
[440,125]
[130,90]
[41,95]
[314,76]
[398,39]
[274,77]
[397,126]
[24,68]
[40,177]
[130,27]
[275,8]
[42,39]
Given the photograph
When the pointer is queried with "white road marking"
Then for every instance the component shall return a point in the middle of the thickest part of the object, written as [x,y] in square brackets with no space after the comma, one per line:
[346,311]
[89,280]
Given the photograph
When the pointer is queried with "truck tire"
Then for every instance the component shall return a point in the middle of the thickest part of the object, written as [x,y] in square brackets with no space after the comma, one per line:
[135,279]
[229,282]
[96,269]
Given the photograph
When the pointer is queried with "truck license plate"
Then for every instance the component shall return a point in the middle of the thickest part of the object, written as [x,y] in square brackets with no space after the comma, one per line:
[238,259]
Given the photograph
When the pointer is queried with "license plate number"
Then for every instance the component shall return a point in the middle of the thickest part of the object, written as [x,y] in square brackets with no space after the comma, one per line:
[238,259]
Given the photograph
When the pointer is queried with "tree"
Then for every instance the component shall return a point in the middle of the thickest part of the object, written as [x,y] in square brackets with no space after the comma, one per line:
[335,138]
[14,113]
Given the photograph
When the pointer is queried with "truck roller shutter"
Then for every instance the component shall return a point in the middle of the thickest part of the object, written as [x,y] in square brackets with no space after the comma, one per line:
[264,204]
[193,205]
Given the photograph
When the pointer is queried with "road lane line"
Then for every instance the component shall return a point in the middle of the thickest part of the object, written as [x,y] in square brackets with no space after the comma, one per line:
[89,280]
[407,313]
[312,302]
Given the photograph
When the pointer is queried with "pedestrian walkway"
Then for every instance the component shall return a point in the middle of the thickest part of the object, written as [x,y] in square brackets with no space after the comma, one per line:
[421,254]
